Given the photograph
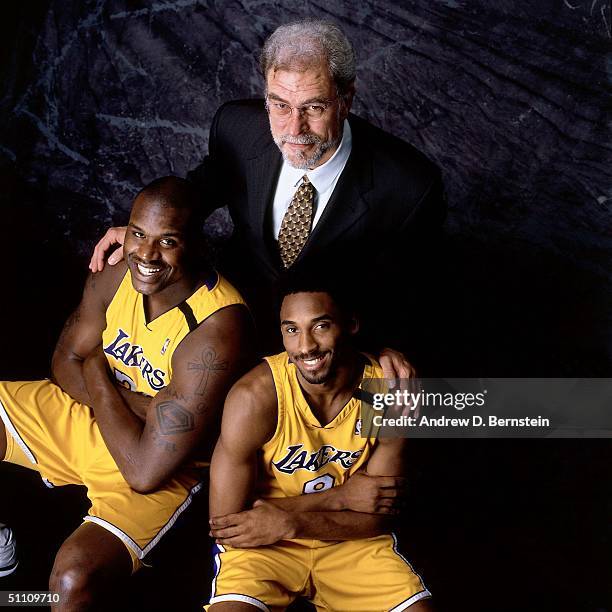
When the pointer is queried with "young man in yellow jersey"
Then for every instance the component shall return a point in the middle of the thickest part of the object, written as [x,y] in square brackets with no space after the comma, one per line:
[291,443]
[139,376]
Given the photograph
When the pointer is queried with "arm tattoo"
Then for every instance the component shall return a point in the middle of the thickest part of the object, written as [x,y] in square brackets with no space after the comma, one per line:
[169,447]
[72,320]
[173,418]
[174,394]
[209,363]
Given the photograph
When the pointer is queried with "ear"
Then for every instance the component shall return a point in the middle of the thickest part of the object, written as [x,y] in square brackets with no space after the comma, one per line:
[347,101]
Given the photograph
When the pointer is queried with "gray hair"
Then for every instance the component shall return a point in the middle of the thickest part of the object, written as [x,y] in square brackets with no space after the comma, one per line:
[300,43]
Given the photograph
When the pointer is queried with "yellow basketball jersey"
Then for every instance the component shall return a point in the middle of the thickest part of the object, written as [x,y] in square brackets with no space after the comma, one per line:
[302,456]
[140,354]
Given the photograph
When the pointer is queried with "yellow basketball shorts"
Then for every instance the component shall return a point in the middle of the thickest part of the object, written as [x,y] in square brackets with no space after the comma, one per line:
[367,575]
[47,431]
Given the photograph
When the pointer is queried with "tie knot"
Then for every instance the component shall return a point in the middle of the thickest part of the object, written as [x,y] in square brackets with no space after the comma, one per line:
[306,187]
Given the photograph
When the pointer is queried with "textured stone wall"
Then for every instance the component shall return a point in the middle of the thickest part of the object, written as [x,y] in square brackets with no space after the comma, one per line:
[511,99]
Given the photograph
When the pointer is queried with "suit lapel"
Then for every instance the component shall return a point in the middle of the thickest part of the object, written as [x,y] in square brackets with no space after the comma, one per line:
[262,174]
[347,203]
[345,207]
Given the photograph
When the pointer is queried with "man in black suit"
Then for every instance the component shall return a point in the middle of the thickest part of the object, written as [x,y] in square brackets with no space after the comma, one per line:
[372,201]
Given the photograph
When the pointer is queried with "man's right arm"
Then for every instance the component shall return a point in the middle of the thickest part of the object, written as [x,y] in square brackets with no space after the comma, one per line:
[270,521]
[249,420]
[388,459]
[82,332]
[362,492]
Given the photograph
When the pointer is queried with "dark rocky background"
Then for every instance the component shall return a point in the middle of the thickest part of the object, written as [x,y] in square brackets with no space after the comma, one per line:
[511,99]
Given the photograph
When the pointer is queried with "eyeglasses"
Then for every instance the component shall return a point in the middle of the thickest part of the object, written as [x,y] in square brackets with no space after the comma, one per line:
[314,111]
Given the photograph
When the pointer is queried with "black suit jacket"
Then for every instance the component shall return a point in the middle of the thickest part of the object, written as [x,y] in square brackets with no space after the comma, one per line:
[385,209]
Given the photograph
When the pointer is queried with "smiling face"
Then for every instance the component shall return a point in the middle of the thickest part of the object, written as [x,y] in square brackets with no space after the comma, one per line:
[315,335]
[155,245]
[306,143]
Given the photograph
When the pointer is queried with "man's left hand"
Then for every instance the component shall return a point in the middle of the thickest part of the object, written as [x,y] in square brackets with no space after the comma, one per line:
[264,524]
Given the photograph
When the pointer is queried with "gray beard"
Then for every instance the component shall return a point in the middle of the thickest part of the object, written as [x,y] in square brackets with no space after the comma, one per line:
[303,162]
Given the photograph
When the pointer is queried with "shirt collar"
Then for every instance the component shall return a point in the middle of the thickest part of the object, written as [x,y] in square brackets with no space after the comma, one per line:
[323,176]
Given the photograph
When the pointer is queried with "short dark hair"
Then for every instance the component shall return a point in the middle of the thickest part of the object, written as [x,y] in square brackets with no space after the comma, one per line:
[178,193]
[318,279]
[171,191]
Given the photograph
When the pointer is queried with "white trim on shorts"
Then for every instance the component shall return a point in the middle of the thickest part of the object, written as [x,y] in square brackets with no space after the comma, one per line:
[231,596]
[127,540]
[424,594]
[237,597]
[411,600]
[217,568]
[417,596]
[20,441]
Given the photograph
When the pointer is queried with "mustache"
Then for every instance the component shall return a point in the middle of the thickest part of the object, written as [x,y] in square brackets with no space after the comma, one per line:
[301,139]
[134,258]
[303,356]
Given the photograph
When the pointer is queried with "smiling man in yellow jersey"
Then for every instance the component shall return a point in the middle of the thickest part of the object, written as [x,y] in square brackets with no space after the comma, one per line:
[140,373]
[290,441]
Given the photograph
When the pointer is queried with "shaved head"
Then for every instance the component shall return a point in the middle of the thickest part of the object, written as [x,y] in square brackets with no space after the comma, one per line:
[175,193]
[170,192]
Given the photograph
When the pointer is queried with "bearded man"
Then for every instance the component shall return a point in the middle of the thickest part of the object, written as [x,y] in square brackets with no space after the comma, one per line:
[306,181]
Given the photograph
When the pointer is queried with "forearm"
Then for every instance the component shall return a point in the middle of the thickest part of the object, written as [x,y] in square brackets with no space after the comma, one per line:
[371,492]
[323,516]
[67,373]
[345,525]
[266,524]
[137,402]
[330,500]
[145,461]
[122,431]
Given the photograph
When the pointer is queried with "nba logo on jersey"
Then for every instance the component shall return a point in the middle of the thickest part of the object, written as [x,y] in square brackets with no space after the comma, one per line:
[165,347]
[358,427]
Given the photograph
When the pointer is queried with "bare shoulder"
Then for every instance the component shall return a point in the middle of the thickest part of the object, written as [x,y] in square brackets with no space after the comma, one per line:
[223,341]
[255,390]
[233,320]
[104,284]
[253,399]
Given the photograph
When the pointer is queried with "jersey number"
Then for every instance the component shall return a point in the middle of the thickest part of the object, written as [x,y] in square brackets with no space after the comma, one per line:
[319,484]
[125,380]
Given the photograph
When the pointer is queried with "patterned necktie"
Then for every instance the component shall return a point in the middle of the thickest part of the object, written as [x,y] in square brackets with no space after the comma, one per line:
[296,223]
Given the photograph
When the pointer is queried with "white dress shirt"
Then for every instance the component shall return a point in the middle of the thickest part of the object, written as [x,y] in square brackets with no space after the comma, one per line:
[323,179]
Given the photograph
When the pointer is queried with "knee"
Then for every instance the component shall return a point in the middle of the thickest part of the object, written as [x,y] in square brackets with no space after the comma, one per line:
[87,563]
[74,583]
